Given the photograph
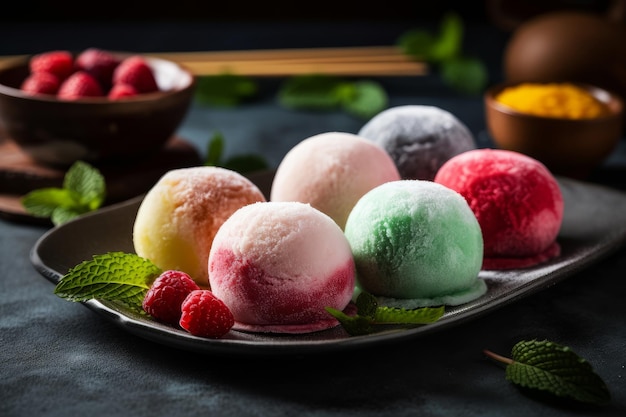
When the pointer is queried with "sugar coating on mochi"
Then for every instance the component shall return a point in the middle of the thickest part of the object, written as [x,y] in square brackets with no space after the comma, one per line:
[331,171]
[179,216]
[418,138]
[416,243]
[517,201]
[278,265]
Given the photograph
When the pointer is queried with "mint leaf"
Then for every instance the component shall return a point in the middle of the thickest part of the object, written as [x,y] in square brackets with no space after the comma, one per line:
[423,315]
[318,92]
[43,202]
[226,90]
[464,74]
[62,215]
[422,44]
[114,276]
[362,99]
[87,183]
[448,44]
[370,314]
[417,43]
[550,367]
[84,190]
[369,99]
[354,325]
[366,304]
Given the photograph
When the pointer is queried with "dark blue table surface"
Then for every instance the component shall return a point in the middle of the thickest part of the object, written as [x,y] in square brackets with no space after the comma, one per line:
[59,359]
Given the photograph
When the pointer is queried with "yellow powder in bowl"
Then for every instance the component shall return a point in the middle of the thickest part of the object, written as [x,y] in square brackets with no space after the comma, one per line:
[559,100]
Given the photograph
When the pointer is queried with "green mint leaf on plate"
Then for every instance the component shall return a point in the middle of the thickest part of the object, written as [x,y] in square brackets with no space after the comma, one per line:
[366,304]
[224,90]
[321,92]
[423,315]
[84,190]
[355,325]
[370,314]
[550,367]
[114,276]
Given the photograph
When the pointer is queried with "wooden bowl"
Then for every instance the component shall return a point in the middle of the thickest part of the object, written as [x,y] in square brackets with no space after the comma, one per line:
[57,132]
[569,147]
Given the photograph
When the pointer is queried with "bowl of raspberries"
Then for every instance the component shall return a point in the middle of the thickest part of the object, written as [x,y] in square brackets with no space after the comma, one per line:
[95,105]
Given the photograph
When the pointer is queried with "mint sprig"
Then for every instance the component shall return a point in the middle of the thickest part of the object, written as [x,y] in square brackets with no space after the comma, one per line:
[550,367]
[113,276]
[243,163]
[444,50]
[83,190]
[320,92]
[370,314]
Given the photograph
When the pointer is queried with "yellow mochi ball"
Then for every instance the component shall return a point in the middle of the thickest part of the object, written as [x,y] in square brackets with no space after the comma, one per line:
[180,215]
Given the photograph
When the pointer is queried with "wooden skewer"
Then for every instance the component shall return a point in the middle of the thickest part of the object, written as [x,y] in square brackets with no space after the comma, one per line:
[287,68]
[356,61]
[287,53]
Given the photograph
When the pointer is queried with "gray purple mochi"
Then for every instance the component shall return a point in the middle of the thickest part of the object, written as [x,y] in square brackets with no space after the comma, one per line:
[418,138]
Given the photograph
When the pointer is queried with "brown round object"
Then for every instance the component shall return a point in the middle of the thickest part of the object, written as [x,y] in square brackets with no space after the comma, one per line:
[569,46]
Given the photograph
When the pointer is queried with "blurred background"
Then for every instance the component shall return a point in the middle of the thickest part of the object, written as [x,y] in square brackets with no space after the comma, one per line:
[195,25]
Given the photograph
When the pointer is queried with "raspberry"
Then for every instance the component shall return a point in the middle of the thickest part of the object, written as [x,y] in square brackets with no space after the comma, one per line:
[135,71]
[168,291]
[205,315]
[119,91]
[41,83]
[99,63]
[78,85]
[59,63]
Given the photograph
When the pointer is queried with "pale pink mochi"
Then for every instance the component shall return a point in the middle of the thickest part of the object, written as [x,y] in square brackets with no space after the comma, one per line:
[180,214]
[278,265]
[331,171]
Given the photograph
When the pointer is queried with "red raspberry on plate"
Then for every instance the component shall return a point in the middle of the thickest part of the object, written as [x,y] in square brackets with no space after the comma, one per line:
[120,91]
[41,83]
[135,71]
[99,63]
[79,85]
[59,63]
[205,315]
[166,294]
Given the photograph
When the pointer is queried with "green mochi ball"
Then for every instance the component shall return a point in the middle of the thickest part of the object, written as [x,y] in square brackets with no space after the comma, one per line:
[416,243]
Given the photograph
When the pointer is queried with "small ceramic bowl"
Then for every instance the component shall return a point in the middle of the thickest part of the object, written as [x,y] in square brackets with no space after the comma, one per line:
[568,147]
[57,132]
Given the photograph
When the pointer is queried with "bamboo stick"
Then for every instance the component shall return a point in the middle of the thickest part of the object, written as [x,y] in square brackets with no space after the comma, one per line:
[346,61]
[357,61]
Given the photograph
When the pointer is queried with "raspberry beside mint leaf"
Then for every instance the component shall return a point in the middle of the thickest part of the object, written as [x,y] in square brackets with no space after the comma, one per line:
[168,291]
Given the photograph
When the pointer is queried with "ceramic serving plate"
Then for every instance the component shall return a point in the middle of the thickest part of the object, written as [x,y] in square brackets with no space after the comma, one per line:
[594,225]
